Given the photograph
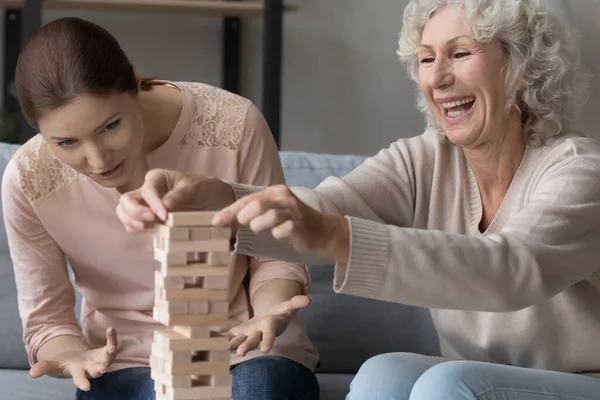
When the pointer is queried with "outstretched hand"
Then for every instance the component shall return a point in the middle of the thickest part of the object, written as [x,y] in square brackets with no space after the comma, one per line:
[263,330]
[278,209]
[80,365]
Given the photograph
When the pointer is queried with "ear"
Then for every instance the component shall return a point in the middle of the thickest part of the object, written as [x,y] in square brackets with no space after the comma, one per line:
[138,78]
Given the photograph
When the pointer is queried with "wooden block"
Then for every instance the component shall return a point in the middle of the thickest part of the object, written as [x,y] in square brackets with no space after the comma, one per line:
[193,269]
[171,380]
[176,340]
[196,246]
[165,232]
[191,332]
[221,380]
[197,257]
[198,307]
[199,392]
[174,307]
[219,356]
[197,368]
[190,218]
[157,364]
[168,356]
[200,233]
[168,282]
[218,307]
[194,294]
[220,233]
[172,258]
[219,258]
[216,282]
[170,319]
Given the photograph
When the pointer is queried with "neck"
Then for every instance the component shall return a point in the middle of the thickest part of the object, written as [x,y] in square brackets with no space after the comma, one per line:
[161,109]
[495,162]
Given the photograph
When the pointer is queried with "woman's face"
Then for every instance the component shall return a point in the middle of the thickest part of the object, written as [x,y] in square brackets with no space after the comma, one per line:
[98,136]
[462,81]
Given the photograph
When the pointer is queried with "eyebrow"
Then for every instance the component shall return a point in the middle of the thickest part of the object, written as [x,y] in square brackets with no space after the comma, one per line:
[106,121]
[451,41]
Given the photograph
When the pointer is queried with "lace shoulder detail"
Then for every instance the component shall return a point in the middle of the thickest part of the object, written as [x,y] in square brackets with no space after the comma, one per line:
[218,118]
[41,173]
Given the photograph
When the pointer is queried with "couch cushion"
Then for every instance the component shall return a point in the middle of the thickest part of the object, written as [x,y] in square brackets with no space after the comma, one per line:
[333,386]
[6,152]
[17,385]
[12,351]
[347,330]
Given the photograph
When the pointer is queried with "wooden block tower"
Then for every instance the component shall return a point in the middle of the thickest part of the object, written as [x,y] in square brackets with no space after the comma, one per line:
[189,359]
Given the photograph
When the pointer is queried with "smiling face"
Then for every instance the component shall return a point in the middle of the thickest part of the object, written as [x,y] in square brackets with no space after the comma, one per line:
[462,81]
[98,136]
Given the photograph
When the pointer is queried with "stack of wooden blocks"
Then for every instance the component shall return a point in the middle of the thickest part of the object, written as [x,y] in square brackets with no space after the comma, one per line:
[190,359]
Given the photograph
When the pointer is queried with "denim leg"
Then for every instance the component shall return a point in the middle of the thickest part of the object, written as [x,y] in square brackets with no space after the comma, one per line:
[470,380]
[273,378]
[389,376]
[124,384]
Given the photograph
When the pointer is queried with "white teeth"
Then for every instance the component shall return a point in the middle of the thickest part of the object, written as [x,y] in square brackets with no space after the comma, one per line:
[456,103]
[454,114]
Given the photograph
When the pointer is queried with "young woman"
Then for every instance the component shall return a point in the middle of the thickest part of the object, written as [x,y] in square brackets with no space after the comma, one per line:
[101,128]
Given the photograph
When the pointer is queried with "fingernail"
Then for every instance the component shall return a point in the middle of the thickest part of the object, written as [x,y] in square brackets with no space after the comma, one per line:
[111,350]
[217,219]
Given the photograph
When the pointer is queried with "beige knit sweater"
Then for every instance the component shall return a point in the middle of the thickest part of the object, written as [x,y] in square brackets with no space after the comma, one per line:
[525,292]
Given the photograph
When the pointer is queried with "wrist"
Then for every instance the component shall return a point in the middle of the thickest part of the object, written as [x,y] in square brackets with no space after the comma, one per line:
[339,242]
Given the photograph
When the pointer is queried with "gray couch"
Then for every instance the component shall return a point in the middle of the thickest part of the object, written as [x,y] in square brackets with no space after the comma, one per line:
[346,330]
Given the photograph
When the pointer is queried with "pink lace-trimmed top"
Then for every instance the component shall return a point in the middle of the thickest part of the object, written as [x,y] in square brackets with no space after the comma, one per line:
[53,215]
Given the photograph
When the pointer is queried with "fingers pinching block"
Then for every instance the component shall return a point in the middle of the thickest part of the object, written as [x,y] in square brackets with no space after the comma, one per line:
[189,359]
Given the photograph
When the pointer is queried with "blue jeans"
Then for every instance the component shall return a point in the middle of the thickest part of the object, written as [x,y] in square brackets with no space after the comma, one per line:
[403,376]
[261,378]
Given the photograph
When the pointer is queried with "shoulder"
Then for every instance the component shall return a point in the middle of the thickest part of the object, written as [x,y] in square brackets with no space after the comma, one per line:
[572,150]
[36,171]
[219,117]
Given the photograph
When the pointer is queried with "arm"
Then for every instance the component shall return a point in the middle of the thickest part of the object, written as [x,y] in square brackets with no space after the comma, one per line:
[271,281]
[381,189]
[46,297]
[549,245]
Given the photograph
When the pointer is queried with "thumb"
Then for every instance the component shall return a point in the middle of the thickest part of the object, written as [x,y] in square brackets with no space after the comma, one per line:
[292,305]
[43,367]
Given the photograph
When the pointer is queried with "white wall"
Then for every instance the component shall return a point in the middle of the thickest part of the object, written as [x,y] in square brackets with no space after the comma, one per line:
[344,91]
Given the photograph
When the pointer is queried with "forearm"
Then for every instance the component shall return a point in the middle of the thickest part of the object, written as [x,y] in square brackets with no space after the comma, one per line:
[274,292]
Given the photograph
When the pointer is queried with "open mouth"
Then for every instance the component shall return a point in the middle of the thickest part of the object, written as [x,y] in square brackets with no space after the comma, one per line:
[457,108]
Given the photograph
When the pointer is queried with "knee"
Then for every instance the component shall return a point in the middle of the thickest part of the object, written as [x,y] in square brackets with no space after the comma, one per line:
[273,378]
[450,380]
[387,376]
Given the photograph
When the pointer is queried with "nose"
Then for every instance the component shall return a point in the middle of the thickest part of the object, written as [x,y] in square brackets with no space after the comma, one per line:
[97,156]
[441,75]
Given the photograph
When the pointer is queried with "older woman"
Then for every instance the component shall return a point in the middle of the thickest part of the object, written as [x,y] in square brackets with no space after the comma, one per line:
[491,217]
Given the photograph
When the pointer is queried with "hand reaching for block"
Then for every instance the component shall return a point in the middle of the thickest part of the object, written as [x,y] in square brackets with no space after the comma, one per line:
[80,365]
[262,330]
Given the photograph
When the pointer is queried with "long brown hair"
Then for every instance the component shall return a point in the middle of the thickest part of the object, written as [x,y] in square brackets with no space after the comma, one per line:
[69,57]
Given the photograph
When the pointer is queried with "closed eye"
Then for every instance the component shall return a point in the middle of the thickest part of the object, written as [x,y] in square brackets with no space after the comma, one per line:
[113,125]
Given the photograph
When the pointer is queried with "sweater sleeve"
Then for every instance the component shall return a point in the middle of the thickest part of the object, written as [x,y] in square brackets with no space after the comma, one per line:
[259,164]
[550,244]
[46,298]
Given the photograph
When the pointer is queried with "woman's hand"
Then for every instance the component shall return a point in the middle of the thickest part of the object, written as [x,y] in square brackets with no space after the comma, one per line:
[278,209]
[166,190]
[80,365]
[263,329]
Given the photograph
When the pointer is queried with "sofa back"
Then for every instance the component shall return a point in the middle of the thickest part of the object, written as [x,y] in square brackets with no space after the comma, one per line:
[346,330]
